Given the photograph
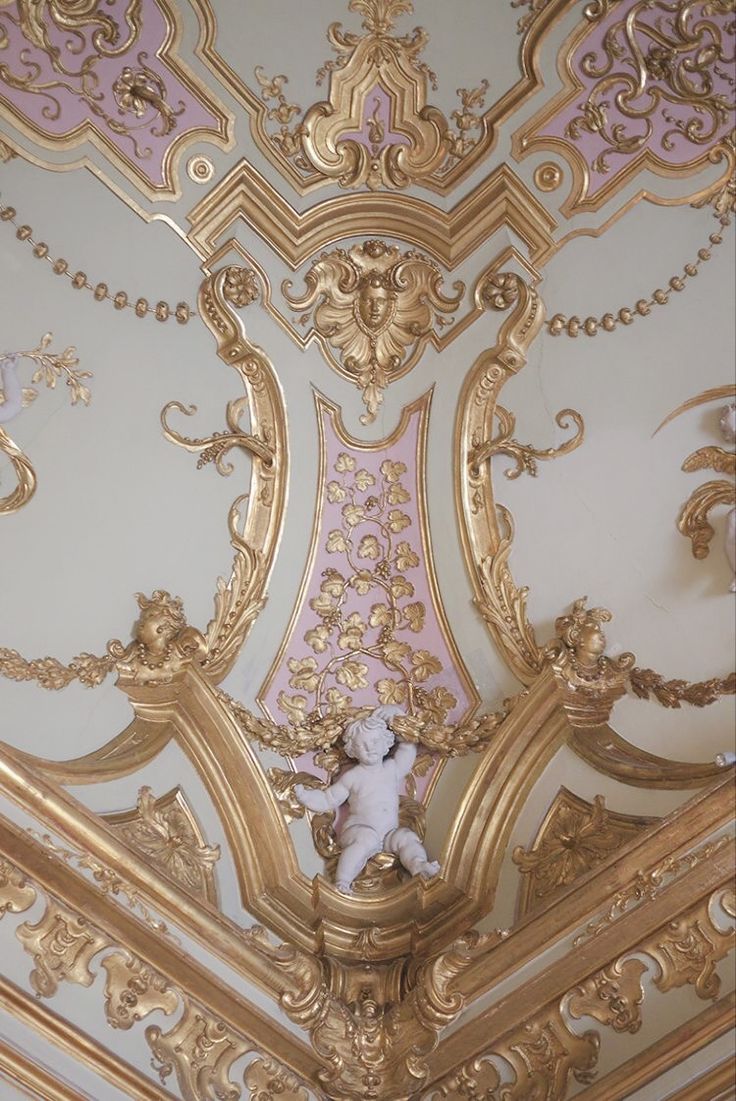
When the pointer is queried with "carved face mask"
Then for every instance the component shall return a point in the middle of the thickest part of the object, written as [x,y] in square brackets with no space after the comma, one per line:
[374,305]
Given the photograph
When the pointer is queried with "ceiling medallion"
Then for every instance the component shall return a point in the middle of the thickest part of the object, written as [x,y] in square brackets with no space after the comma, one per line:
[373,309]
[376,128]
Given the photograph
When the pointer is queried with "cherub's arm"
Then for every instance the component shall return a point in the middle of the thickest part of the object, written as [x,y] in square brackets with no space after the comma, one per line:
[328,799]
[12,391]
[404,758]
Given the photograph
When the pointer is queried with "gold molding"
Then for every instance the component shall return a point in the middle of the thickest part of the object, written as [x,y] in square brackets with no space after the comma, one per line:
[77,1044]
[244,195]
[288,143]
[528,139]
[26,1074]
[666,1054]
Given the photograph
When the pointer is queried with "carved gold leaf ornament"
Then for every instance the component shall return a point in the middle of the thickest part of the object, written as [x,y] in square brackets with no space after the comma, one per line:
[376,128]
[525,456]
[574,837]
[373,309]
[50,367]
[166,832]
[133,990]
[200,1050]
[612,996]
[268,1081]
[16,893]
[62,945]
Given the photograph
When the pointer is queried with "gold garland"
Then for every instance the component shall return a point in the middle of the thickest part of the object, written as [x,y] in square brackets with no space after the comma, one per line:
[52,674]
[671,693]
[322,732]
[573,326]
[120,300]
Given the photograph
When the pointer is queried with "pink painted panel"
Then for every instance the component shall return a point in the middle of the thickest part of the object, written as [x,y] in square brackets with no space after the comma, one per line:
[368,629]
[656,77]
[376,132]
[60,70]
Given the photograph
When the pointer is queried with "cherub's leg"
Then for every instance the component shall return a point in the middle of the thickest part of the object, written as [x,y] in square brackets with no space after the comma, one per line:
[359,844]
[411,852]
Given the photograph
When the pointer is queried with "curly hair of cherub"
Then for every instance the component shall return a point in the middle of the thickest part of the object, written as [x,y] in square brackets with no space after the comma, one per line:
[377,721]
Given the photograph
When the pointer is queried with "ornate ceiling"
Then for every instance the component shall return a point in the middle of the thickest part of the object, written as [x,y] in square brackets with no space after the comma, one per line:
[438,299]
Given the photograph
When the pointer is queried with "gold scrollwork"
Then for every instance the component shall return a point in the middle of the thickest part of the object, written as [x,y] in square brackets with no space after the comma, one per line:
[525,456]
[612,996]
[269,1081]
[62,945]
[16,893]
[201,1050]
[133,990]
[239,599]
[376,307]
[406,139]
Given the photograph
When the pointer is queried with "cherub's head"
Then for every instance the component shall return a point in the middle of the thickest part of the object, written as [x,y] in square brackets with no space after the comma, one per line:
[581,632]
[374,300]
[369,739]
[161,620]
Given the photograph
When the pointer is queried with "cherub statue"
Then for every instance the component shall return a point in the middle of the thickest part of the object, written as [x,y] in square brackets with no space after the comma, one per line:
[371,789]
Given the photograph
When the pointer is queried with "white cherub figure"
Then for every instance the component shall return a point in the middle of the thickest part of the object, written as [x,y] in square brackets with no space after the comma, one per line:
[371,789]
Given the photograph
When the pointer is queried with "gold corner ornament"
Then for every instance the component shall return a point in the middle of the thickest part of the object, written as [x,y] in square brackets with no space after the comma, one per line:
[49,368]
[574,837]
[376,128]
[373,309]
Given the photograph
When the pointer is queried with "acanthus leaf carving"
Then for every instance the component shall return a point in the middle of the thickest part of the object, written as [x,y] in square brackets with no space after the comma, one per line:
[268,1081]
[16,893]
[688,950]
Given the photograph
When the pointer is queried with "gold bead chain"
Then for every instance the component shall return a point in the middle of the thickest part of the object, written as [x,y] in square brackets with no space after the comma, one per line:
[591,326]
[120,300]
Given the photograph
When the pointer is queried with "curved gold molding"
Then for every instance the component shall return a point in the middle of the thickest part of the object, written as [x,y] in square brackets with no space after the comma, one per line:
[244,195]
[607,752]
[254,538]
[24,473]
[485,542]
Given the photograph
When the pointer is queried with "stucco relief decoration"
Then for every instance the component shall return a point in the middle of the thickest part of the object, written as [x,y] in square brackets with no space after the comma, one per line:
[368,627]
[50,368]
[376,128]
[70,70]
[373,309]
[649,84]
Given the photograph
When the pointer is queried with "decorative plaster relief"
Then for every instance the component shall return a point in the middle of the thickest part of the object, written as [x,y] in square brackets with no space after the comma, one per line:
[71,72]
[369,624]
[647,85]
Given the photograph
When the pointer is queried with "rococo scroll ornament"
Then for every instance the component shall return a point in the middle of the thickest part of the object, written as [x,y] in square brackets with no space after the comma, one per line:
[647,86]
[374,309]
[376,128]
[50,368]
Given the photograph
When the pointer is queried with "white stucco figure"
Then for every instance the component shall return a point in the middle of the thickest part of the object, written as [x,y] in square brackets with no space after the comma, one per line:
[728,431]
[371,789]
[11,388]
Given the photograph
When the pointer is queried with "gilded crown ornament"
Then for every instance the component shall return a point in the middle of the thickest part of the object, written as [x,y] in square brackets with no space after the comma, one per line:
[590,682]
[163,643]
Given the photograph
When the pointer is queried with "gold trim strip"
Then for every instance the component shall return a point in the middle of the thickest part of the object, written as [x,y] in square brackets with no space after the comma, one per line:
[716,1085]
[72,1041]
[163,955]
[607,752]
[450,236]
[624,935]
[669,1052]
